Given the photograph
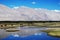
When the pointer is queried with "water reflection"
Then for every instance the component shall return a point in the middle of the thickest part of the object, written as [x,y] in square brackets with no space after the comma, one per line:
[36,36]
[26,33]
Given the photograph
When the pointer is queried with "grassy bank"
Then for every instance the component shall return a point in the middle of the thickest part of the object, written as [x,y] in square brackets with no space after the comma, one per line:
[53,32]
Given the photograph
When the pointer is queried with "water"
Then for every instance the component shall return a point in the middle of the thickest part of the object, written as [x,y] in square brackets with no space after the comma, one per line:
[27,34]
[36,36]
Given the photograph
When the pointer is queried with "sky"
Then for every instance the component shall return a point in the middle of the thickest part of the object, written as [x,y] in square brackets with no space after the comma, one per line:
[47,4]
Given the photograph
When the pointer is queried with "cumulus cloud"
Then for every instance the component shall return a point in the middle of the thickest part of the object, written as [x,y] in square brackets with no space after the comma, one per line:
[16,35]
[33,2]
[57,10]
[36,8]
[15,7]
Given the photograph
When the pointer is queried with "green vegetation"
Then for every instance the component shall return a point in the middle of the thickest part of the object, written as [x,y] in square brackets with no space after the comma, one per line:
[30,23]
[53,32]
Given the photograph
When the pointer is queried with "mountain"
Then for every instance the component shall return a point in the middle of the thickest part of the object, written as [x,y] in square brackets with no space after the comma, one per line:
[24,13]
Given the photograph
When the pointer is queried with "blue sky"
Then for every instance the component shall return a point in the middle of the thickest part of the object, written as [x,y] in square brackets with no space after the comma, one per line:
[47,4]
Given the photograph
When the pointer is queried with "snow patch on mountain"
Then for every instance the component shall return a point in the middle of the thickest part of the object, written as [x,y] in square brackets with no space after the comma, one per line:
[24,13]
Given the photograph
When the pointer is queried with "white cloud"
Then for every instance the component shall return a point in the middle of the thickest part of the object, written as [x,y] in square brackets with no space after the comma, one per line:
[16,35]
[57,10]
[36,8]
[22,6]
[33,2]
[37,34]
[15,7]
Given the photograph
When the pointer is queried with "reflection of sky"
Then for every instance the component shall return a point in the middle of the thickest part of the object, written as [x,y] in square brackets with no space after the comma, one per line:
[49,4]
[38,36]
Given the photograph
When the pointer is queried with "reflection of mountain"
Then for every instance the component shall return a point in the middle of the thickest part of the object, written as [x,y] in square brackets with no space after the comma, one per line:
[27,14]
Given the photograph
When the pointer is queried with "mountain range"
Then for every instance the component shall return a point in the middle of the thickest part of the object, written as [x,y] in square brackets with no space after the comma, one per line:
[24,13]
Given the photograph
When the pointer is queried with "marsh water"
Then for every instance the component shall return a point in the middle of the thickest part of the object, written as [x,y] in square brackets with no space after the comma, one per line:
[26,33]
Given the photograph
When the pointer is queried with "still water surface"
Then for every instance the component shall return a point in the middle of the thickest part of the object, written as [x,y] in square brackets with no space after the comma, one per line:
[27,34]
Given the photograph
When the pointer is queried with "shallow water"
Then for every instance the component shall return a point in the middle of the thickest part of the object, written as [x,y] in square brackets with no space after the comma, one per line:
[36,36]
[26,33]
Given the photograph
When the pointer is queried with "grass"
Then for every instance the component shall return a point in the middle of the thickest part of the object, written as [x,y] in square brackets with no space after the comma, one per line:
[53,32]
[52,24]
